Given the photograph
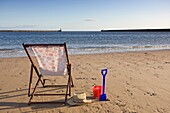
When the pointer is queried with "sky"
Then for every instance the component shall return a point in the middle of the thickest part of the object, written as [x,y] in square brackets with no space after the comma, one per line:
[84,15]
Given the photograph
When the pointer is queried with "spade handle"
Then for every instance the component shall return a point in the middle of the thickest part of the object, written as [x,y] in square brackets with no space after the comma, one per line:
[104,73]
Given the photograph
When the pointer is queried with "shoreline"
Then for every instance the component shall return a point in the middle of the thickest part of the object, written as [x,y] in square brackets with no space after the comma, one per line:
[140,51]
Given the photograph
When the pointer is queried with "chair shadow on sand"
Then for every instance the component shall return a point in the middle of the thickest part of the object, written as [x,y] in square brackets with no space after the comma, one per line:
[11,100]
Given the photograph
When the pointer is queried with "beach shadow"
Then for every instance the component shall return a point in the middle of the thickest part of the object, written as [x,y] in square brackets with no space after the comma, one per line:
[11,105]
[21,92]
[12,94]
[18,95]
[35,107]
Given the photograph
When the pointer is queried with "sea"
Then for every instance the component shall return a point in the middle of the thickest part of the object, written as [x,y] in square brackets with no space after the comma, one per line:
[84,42]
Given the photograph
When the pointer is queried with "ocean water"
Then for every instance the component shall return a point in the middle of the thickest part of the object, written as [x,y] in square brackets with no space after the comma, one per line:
[85,42]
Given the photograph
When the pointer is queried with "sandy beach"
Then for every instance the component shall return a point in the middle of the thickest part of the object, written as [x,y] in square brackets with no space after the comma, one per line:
[136,82]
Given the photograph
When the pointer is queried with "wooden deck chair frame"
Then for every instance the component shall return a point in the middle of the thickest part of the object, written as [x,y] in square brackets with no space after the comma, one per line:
[32,93]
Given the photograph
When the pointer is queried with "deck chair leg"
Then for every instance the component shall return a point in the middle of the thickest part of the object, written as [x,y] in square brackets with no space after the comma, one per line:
[30,83]
[69,73]
[70,81]
[32,94]
[42,80]
[40,76]
[68,89]
[29,102]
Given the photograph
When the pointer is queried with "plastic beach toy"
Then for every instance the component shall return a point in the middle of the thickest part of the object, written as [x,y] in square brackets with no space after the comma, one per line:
[103,96]
[97,91]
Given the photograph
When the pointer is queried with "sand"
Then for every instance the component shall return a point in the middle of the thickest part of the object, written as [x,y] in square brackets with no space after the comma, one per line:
[136,82]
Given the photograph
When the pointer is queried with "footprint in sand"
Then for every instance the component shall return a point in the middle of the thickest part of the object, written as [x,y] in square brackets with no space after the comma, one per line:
[93,78]
[161,110]
[160,67]
[156,75]
[129,92]
[151,93]
[81,78]
[127,83]
[120,103]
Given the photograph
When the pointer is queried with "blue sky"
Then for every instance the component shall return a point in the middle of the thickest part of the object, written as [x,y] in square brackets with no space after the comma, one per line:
[84,15]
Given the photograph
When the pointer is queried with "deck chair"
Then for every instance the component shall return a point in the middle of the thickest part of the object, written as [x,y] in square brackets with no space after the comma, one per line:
[52,59]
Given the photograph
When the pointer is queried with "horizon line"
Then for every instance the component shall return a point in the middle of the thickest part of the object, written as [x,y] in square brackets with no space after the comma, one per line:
[120,29]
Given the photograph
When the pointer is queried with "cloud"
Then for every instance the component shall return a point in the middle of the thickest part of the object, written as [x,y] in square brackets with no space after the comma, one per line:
[89,19]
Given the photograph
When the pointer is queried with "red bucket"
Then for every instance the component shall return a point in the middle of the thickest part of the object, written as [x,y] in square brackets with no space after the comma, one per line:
[97,91]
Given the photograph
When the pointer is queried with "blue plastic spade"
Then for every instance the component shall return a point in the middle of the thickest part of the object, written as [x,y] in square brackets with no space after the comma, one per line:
[103,96]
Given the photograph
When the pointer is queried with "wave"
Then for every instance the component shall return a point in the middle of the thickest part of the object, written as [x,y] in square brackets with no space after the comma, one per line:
[90,49]
[117,48]
[7,50]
